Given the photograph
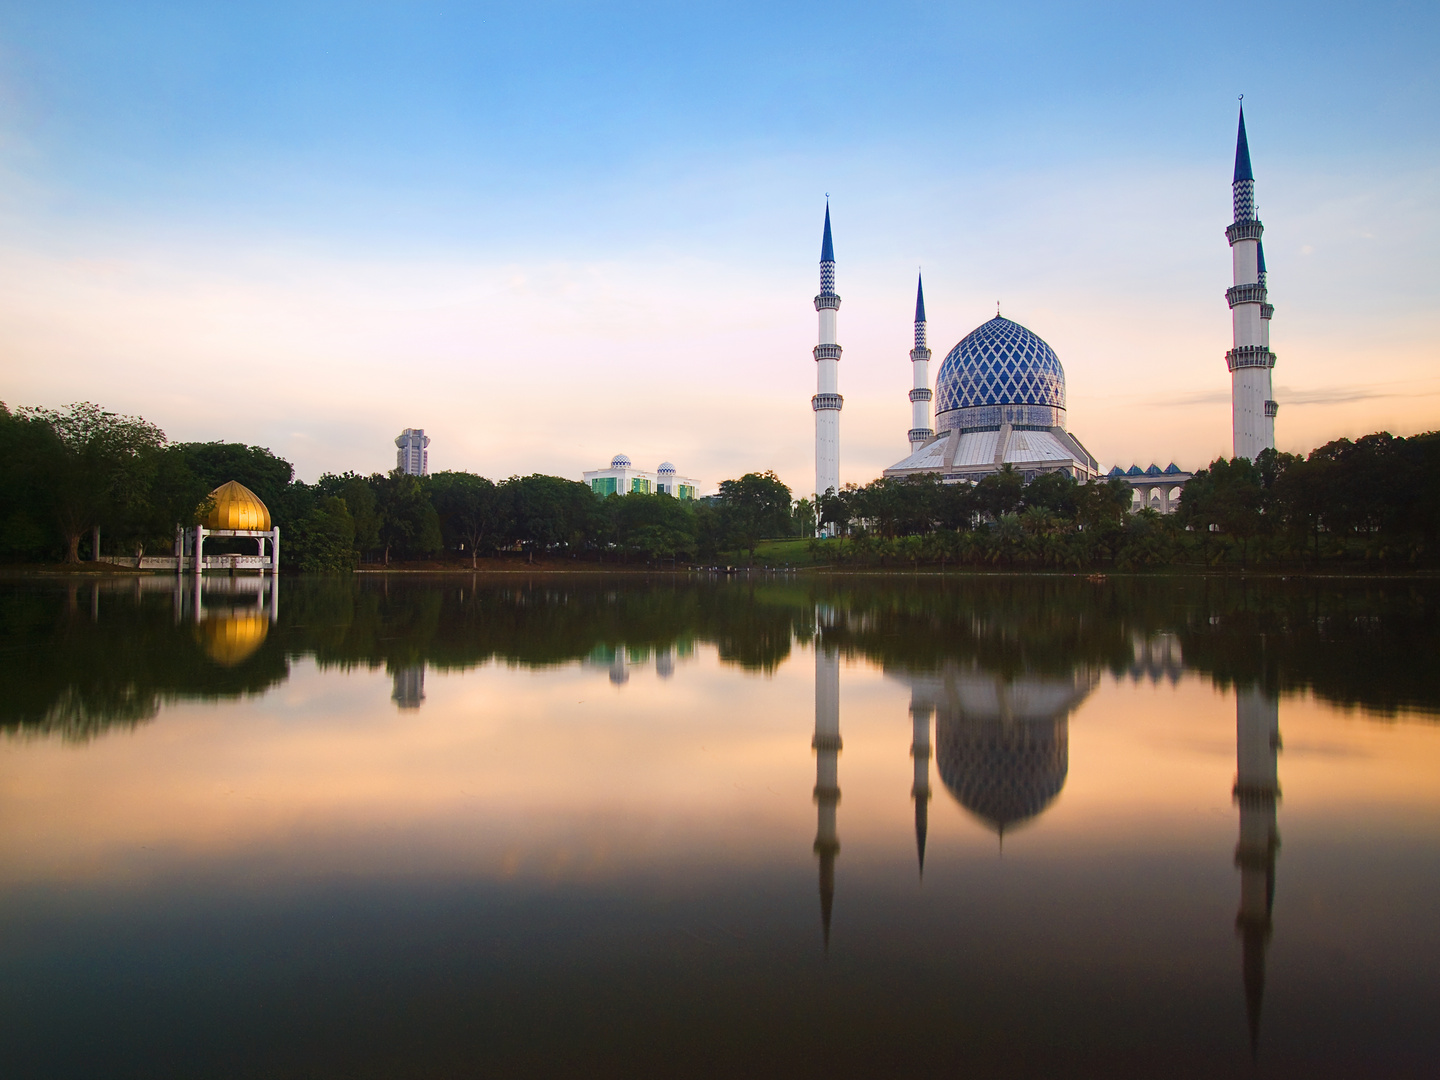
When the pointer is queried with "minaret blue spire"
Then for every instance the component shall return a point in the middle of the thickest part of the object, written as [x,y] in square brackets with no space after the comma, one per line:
[1260,260]
[1242,152]
[1242,188]
[827,259]
[919,298]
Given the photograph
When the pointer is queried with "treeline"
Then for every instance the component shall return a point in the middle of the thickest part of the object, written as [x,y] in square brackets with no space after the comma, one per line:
[66,473]
[1373,500]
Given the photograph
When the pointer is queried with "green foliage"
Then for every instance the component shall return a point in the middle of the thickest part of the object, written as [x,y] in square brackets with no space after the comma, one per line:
[323,541]
[260,470]
[754,507]
[469,508]
[409,525]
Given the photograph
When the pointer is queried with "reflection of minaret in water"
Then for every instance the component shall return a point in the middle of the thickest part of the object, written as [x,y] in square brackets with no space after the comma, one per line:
[827,774]
[1257,788]
[920,750]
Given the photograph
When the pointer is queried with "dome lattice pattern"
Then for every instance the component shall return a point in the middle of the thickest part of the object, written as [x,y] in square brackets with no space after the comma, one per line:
[1000,363]
[1002,772]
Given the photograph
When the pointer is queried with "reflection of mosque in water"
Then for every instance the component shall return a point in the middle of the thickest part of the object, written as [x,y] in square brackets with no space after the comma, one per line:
[1002,744]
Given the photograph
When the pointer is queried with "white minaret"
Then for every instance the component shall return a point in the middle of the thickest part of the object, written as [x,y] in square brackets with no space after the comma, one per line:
[827,774]
[827,401]
[1257,789]
[1250,361]
[920,430]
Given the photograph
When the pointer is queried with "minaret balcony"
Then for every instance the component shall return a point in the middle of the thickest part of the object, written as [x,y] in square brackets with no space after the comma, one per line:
[827,300]
[1245,294]
[1271,408]
[827,352]
[1249,356]
[920,434]
[1244,230]
[920,393]
[1267,310]
[827,402]
[920,352]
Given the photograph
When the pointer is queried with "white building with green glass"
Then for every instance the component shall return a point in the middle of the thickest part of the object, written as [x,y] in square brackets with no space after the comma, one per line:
[622,478]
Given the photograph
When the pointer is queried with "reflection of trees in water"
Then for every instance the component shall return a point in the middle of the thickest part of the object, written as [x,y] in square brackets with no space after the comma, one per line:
[72,673]
[1353,642]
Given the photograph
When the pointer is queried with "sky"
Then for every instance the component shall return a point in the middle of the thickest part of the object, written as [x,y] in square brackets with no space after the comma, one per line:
[553,232]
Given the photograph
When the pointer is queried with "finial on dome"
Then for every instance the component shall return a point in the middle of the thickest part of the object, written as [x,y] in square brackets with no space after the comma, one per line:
[827,246]
[1242,150]
[919,298]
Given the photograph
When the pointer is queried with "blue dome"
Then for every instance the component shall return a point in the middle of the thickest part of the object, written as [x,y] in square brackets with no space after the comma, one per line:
[999,364]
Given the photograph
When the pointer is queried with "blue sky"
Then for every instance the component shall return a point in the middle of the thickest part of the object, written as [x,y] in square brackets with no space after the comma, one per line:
[550,232]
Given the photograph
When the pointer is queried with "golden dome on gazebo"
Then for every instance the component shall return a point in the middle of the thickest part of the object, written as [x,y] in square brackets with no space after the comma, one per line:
[231,638]
[238,508]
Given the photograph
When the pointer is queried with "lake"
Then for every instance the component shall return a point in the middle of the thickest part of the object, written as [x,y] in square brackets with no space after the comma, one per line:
[596,825]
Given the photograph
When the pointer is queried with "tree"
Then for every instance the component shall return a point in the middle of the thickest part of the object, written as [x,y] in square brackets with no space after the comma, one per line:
[546,512]
[259,469]
[323,541]
[28,449]
[98,467]
[755,506]
[409,525]
[1057,492]
[1000,493]
[802,518]
[469,509]
[837,508]
[657,526]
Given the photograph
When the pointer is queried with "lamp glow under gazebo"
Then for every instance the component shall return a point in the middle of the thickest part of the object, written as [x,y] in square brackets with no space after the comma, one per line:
[237,511]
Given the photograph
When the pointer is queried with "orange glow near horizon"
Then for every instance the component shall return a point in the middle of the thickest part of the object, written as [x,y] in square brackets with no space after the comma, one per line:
[506,773]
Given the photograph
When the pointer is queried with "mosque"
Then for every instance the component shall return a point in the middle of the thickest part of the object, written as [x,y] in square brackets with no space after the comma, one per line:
[999,398]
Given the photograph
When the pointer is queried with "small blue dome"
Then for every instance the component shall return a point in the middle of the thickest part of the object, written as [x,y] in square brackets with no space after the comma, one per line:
[620,461]
[1000,363]
[665,466]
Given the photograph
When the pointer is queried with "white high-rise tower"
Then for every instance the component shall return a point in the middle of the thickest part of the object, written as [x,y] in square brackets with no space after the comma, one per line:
[920,431]
[827,401]
[1250,361]
[412,456]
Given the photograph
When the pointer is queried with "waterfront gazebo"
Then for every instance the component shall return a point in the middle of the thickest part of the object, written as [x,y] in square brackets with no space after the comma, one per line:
[237,511]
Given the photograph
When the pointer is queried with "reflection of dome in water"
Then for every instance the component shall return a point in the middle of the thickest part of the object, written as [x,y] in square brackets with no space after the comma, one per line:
[1002,742]
[229,639]
[237,507]
[1003,772]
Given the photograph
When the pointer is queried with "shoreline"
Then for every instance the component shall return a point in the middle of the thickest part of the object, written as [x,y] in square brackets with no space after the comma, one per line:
[94,571]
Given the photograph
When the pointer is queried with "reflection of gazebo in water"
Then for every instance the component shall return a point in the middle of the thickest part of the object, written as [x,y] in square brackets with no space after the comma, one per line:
[237,511]
[1002,741]
[232,630]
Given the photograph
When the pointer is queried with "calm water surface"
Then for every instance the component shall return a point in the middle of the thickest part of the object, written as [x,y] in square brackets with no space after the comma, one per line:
[614,827]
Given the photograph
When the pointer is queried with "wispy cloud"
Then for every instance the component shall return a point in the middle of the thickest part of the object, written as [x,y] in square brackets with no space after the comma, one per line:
[1317,395]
